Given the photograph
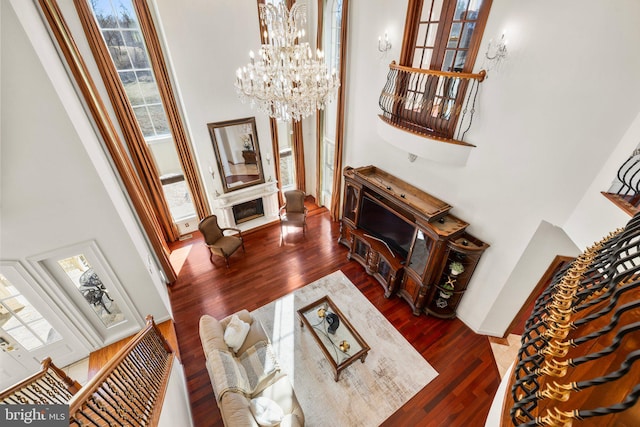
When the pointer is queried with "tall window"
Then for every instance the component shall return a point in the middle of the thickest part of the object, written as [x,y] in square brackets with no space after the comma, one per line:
[448,33]
[121,32]
[287,158]
[331,44]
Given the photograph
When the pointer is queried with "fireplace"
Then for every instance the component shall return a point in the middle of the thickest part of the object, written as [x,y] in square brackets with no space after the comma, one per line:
[247,211]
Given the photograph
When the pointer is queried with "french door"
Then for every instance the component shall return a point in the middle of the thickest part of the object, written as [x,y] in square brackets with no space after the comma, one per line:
[30,330]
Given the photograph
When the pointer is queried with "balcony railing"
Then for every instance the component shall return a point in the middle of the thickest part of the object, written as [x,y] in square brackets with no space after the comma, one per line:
[625,190]
[437,104]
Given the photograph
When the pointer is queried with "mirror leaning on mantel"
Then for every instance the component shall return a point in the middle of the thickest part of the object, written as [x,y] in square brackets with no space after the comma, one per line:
[235,144]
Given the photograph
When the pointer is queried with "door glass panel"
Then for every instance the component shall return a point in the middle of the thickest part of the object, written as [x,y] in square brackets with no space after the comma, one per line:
[92,289]
[420,253]
[21,320]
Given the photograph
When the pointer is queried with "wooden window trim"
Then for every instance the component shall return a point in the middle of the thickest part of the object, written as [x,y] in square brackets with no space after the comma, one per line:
[183,146]
[107,131]
[140,153]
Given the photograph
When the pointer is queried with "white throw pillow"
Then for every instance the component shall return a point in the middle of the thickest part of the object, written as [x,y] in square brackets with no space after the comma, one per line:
[266,411]
[236,333]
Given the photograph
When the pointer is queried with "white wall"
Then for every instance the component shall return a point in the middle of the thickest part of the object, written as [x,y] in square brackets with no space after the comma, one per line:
[176,409]
[546,120]
[207,41]
[57,187]
[595,216]
[526,274]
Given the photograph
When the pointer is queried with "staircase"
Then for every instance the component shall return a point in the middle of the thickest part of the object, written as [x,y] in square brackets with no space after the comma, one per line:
[128,390]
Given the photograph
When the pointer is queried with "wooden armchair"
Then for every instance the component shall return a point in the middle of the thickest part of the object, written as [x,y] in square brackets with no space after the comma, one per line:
[218,243]
[293,212]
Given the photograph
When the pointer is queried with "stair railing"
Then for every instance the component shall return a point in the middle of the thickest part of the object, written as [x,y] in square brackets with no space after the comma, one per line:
[129,390]
[49,386]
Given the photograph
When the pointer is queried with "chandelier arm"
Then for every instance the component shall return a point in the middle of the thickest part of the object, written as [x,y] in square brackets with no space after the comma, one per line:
[286,80]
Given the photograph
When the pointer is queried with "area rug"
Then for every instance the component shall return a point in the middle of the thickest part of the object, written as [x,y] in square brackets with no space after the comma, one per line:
[367,393]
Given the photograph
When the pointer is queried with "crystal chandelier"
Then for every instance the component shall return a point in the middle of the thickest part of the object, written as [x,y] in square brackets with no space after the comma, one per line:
[284,80]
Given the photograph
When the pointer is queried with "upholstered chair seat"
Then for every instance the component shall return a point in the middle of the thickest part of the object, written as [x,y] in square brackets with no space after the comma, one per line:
[219,243]
[293,213]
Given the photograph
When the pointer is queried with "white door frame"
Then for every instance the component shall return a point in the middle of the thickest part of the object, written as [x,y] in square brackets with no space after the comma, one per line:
[71,348]
[64,293]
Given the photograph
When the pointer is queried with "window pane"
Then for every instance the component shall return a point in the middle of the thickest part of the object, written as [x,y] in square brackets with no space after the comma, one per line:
[447,64]
[135,47]
[93,290]
[461,8]
[459,60]
[286,169]
[144,121]
[131,86]
[104,13]
[431,10]
[149,87]
[117,49]
[454,35]
[422,58]
[421,40]
[179,200]
[431,37]
[159,119]
[6,288]
[127,17]
[25,337]
[44,331]
[467,32]
[21,320]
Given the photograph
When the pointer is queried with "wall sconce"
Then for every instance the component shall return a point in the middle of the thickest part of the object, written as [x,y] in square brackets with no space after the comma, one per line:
[500,52]
[384,44]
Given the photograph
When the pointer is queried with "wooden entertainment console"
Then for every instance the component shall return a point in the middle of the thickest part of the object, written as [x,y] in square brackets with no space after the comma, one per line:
[408,240]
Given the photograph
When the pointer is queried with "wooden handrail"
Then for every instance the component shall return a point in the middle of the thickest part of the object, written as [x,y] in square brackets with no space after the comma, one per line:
[16,394]
[130,388]
[477,76]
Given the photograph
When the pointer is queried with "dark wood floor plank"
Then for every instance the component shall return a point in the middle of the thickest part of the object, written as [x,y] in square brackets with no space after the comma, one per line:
[468,376]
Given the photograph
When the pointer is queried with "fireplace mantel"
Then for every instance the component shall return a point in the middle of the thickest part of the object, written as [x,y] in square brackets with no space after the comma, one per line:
[223,205]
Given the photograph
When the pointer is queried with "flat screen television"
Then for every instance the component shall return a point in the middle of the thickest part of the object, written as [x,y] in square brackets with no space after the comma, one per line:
[380,222]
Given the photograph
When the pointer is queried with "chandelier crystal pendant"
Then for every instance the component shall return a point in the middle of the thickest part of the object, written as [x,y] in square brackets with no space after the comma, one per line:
[285,80]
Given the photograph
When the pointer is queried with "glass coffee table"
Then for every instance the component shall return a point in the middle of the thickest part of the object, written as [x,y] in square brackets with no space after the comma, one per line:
[339,341]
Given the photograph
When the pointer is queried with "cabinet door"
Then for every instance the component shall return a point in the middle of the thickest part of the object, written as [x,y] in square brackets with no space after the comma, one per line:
[420,252]
[413,291]
[351,198]
[359,251]
[462,257]
[387,275]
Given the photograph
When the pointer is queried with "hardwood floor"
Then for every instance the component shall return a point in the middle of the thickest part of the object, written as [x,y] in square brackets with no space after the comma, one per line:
[468,377]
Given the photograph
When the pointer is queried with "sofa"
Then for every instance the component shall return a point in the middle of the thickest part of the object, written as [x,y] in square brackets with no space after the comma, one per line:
[249,387]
